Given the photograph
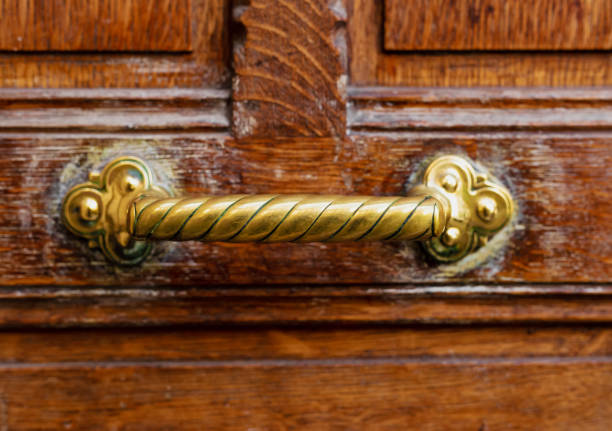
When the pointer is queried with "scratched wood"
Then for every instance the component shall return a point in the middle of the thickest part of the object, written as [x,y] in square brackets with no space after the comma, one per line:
[103,25]
[389,109]
[370,64]
[561,233]
[206,65]
[285,336]
[498,25]
[111,110]
[290,69]
[520,394]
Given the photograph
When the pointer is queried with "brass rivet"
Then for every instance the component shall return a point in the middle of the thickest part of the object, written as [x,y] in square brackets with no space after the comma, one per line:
[449,183]
[131,183]
[486,208]
[451,236]
[89,209]
[94,177]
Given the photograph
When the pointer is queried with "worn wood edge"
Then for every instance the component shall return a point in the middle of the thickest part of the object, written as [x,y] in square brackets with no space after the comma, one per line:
[309,291]
[47,307]
[483,95]
[274,363]
[537,109]
[114,110]
[113,94]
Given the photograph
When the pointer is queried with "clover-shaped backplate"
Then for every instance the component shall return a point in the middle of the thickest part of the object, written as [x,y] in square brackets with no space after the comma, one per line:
[97,209]
[479,207]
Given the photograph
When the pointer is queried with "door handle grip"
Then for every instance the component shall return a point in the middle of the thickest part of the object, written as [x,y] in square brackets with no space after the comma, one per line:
[453,211]
[287,218]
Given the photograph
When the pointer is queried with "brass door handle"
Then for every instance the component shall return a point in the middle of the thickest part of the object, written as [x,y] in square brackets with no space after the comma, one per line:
[453,211]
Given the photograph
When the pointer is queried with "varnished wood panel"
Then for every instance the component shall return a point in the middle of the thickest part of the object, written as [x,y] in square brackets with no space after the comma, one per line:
[207,65]
[370,64]
[507,394]
[561,233]
[102,25]
[498,25]
[290,69]
[292,305]
[329,342]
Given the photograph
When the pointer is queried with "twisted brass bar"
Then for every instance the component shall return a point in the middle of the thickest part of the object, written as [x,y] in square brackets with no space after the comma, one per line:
[284,218]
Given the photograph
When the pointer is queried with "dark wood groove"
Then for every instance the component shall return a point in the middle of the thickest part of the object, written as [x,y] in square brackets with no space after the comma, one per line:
[298,305]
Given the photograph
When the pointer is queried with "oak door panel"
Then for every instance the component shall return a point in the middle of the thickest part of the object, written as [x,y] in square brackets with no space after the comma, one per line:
[114,44]
[507,394]
[561,233]
[372,64]
[102,25]
[498,25]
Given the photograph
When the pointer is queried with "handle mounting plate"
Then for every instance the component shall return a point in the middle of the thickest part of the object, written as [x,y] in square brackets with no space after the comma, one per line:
[479,207]
[97,209]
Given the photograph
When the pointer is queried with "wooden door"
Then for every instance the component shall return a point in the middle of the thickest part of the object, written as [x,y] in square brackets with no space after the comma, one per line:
[348,97]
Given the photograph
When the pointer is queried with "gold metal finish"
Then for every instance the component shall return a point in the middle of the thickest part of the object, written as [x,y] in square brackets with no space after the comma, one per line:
[98,209]
[454,210]
[287,218]
[479,207]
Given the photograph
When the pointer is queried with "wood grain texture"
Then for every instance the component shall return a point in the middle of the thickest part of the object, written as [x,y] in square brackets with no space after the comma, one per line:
[102,25]
[396,304]
[205,66]
[306,378]
[371,65]
[498,25]
[405,394]
[329,342]
[318,336]
[114,110]
[561,233]
[290,69]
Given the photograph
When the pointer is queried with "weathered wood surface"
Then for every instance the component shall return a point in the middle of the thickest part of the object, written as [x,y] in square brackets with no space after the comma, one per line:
[377,394]
[313,336]
[307,378]
[114,110]
[407,108]
[561,232]
[370,64]
[498,25]
[102,25]
[329,342]
[290,69]
[304,305]
[205,66]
